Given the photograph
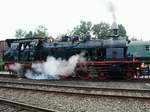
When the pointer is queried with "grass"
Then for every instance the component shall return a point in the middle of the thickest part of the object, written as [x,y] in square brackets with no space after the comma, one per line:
[1,64]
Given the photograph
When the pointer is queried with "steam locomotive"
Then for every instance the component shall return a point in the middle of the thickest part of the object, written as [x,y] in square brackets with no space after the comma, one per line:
[104,59]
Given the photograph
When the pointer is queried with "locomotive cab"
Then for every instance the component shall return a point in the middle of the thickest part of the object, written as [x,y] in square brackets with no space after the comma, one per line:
[115,49]
[20,52]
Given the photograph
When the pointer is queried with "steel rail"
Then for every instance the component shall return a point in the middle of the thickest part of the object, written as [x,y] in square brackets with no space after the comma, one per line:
[72,86]
[90,91]
[130,80]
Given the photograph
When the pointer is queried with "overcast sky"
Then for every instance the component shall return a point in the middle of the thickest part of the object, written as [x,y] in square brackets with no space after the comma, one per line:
[59,16]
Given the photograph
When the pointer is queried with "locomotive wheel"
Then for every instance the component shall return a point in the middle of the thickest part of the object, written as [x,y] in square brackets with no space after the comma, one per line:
[66,77]
[83,75]
[102,76]
[128,75]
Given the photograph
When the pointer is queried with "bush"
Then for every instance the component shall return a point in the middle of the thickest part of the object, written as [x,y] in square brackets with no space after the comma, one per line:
[1,68]
[1,64]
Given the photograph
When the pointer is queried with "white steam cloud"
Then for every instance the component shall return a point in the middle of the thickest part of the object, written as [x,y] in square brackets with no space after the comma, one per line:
[54,68]
[17,68]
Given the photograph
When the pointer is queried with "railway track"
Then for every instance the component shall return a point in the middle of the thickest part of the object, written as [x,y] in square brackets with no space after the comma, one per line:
[140,79]
[77,90]
[25,106]
[7,74]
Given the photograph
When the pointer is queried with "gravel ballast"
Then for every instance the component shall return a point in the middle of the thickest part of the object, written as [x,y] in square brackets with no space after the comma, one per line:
[71,103]
[8,108]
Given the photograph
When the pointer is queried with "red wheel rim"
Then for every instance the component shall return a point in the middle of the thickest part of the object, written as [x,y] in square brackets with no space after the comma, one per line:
[102,76]
[129,75]
[84,75]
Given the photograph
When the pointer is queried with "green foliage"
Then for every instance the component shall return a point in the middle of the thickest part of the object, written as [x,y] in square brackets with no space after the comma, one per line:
[41,32]
[1,64]
[83,30]
[122,31]
[20,33]
[101,30]
[29,35]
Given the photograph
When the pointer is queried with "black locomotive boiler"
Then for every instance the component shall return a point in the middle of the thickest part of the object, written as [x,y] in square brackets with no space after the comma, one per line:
[103,58]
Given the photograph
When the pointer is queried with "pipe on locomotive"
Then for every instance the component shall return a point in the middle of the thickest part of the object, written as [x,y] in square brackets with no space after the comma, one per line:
[115,30]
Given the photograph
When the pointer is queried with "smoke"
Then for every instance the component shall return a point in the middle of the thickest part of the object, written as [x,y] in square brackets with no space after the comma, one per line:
[54,68]
[111,9]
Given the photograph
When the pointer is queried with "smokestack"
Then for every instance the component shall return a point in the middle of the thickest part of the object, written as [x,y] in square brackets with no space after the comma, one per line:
[114,26]
[115,29]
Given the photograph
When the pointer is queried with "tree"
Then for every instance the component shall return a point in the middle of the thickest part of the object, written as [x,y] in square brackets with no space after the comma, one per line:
[122,31]
[104,31]
[20,33]
[41,32]
[29,35]
[83,30]
[101,30]
[133,39]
